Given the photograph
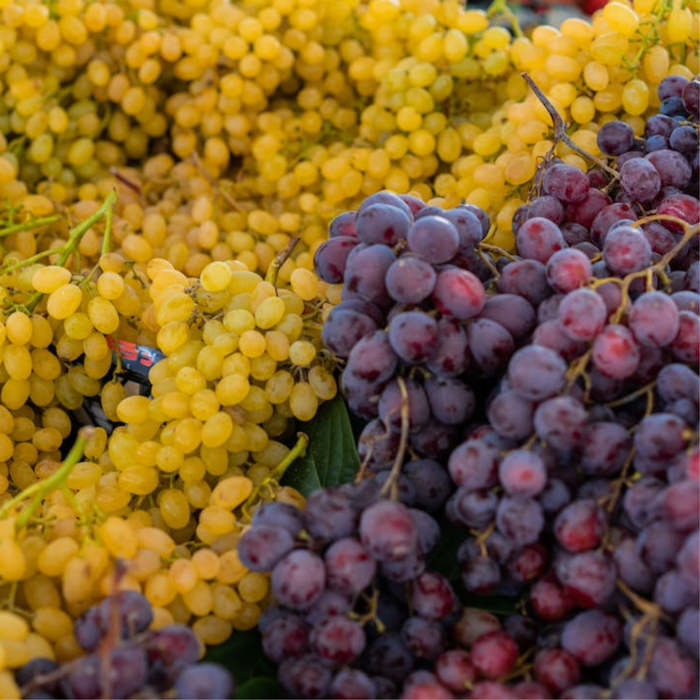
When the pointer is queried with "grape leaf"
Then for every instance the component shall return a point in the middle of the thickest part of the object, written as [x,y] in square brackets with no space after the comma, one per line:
[260,687]
[331,457]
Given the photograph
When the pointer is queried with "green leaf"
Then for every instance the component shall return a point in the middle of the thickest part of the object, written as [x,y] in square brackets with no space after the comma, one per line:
[331,458]
[260,687]
[243,656]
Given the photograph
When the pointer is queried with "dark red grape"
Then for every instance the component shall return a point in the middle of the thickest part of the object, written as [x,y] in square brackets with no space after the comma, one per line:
[589,577]
[372,358]
[298,579]
[580,525]
[567,270]
[565,182]
[681,206]
[455,670]
[654,319]
[474,464]
[551,335]
[481,575]
[615,354]
[285,637]
[539,239]
[585,211]
[582,314]
[520,518]
[686,345]
[350,568]
[672,672]
[494,654]
[561,422]
[410,280]
[459,293]
[557,669]
[342,225]
[382,223]
[522,472]
[526,278]
[490,344]
[691,98]
[338,639]
[414,204]
[536,372]
[344,327]
[450,357]
[413,335]
[331,257]
[549,600]
[432,596]
[388,531]
[615,137]
[511,311]
[672,167]
[640,180]
[606,217]
[626,250]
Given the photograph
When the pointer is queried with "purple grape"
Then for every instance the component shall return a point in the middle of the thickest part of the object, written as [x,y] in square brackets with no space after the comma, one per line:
[561,422]
[511,415]
[413,335]
[691,98]
[305,676]
[434,238]
[580,526]
[459,293]
[432,596]
[343,225]
[331,257]
[388,655]
[654,319]
[626,250]
[672,167]
[277,514]
[671,671]
[615,354]
[491,345]
[522,473]
[381,223]
[605,448]
[589,577]
[473,508]
[338,639]
[520,518]
[606,217]
[567,270]
[474,464]
[546,206]
[615,137]
[352,684]
[469,227]
[388,531]
[298,579]
[410,280]
[640,180]
[565,182]
[204,681]
[262,546]
[526,278]
[511,311]
[481,575]
[660,436]
[582,314]
[451,354]
[350,568]
[365,272]
[424,638]
[372,358]
[391,402]
[551,335]
[536,372]
[451,401]
[539,239]
[285,637]
[431,480]
[344,327]
[329,515]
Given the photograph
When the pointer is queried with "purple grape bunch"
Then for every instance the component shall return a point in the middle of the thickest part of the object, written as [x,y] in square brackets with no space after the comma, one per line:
[124,658]
[554,395]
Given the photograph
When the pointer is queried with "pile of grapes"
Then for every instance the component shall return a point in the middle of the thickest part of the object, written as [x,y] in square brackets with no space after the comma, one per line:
[560,387]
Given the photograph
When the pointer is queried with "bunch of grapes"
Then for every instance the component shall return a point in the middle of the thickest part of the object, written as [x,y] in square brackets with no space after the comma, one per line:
[566,415]
[126,656]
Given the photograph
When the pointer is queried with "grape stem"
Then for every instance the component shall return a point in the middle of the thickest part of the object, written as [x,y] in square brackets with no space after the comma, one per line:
[560,129]
[299,450]
[501,7]
[39,489]
[29,225]
[391,484]
[499,251]
[125,181]
[279,260]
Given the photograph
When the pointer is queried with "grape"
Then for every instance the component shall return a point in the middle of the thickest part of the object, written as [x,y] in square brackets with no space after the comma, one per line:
[132,609]
[365,272]
[659,125]
[455,670]
[432,596]
[298,579]
[673,673]
[377,446]
[372,358]
[686,345]
[352,684]
[528,564]
[344,327]
[566,182]
[491,345]
[424,638]
[580,525]
[687,560]
[526,278]
[654,319]
[88,629]
[511,415]
[83,679]
[362,396]
[640,180]
[451,401]
[585,211]
[629,155]
[672,594]
[605,448]
[691,98]
[672,106]
[172,647]
[578,236]
[387,198]
[433,238]
[459,293]
[672,167]
[413,335]
[615,354]
[414,204]
[681,206]
[548,207]
[468,226]
[280,515]
[389,656]
[582,314]
[591,636]
[554,496]
[381,223]
[539,239]
[615,137]
[655,143]
[432,483]
[330,603]
[404,569]
[676,381]
[32,670]
[511,311]
[567,270]
[480,214]
[606,217]
[388,531]
[549,600]
[410,280]
[549,308]
[626,250]
[425,686]
[551,335]
[557,669]
[474,464]
[631,569]
[560,422]
[285,637]
[428,530]
[536,372]
[522,473]
[329,514]
[204,681]
[451,354]
[660,436]
[305,676]
[349,567]
[520,518]
[433,439]
[660,238]
[589,577]
[473,508]
[338,639]
[391,402]
[262,546]
[331,257]
[684,139]
[494,654]
[342,225]
[688,630]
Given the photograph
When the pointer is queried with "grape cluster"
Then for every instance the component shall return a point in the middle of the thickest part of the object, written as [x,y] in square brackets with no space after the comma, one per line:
[126,656]
[559,386]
